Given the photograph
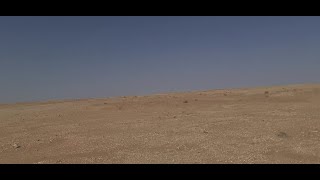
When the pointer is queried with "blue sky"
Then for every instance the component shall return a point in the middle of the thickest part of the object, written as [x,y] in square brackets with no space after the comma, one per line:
[44,58]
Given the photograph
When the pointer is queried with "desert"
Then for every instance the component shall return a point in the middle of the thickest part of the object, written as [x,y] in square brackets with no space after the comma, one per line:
[267,125]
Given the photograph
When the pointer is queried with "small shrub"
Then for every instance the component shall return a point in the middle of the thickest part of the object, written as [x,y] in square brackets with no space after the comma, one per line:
[185,101]
[120,107]
[282,135]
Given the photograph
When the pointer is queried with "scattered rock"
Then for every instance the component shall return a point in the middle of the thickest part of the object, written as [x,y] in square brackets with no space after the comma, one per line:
[206,132]
[185,101]
[38,139]
[105,103]
[16,146]
[174,117]
[196,99]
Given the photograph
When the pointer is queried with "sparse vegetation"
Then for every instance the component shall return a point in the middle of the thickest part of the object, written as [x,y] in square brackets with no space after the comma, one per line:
[282,135]
[266,93]
[120,107]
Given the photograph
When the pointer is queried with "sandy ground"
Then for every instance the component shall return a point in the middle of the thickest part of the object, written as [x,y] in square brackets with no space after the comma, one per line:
[251,125]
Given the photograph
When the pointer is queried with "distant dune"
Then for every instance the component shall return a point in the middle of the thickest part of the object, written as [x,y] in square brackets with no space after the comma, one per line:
[279,124]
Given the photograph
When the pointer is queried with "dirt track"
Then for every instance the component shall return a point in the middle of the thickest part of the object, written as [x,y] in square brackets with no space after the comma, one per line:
[281,125]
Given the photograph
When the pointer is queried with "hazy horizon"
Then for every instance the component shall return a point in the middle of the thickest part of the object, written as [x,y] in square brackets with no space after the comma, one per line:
[46,58]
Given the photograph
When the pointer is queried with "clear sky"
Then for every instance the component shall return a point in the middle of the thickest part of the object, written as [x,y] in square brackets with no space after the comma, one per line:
[44,58]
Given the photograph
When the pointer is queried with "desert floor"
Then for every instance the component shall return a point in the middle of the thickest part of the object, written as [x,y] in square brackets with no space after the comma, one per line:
[279,124]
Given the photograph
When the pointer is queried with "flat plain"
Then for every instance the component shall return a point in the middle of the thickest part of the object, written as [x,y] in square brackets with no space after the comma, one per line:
[279,124]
